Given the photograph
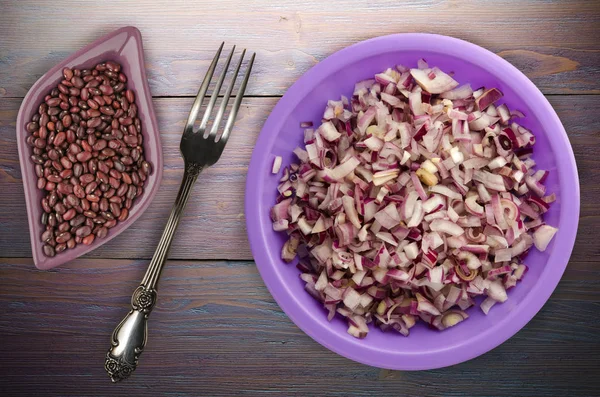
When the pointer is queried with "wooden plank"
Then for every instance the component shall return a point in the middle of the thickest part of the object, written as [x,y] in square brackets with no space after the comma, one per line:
[205,340]
[214,224]
[554,43]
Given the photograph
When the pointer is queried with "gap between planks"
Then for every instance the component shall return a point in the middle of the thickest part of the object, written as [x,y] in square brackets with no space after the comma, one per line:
[590,94]
[10,258]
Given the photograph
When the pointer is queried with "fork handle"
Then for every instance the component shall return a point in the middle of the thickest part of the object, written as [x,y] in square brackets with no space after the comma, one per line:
[129,337]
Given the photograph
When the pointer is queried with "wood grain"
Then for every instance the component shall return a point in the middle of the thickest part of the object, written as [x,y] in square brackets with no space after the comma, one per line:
[554,42]
[205,340]
[214,222]
[216,330]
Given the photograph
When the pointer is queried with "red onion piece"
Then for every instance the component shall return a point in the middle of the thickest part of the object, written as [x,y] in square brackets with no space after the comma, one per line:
[410,199]
[462,92]
[433,81]
[542,236]
[487,98]
[447,227]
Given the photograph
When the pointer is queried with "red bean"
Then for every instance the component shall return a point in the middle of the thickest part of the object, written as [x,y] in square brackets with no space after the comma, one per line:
[88,239]
[86,146]
[83,231]
[60,138]
[48,250]
[78,191]
[70,214]
[84,156]
[102,232]
[124,214]
[66,163]
[63,237]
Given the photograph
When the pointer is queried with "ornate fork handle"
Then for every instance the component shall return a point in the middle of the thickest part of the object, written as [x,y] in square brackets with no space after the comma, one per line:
[129,337]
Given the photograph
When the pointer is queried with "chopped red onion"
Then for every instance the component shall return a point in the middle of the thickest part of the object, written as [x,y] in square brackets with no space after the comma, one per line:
[280,225]
[433,81]
[411,199]
[542,236]
[447,227]
[276,164]
[462,92]
[487,304]
[487,98]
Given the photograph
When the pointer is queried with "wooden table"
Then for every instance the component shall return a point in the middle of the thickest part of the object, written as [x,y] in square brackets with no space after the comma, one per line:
[216,330]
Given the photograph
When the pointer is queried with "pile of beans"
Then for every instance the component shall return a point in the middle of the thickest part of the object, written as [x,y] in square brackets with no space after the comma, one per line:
[88,156]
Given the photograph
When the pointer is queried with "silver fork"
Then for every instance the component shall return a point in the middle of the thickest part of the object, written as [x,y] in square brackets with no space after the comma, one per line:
[199,150]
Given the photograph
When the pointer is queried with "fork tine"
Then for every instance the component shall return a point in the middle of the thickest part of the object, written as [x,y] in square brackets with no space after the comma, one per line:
[219,117]
[237,103]
[215,94]
[202,91]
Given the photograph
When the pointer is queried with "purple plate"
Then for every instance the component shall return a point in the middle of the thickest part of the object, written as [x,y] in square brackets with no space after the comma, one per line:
[124,46]
[305,101]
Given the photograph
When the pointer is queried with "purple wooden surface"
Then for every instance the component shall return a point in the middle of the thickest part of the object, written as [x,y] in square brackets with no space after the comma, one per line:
[216,330]
[215,214]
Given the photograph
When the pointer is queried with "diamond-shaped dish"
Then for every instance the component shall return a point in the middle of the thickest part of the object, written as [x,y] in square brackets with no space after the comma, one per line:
[125,47]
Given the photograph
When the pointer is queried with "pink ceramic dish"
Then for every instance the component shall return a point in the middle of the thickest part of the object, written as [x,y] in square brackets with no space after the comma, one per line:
[305,101]
[125,47]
